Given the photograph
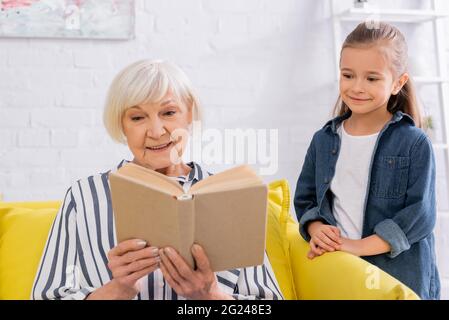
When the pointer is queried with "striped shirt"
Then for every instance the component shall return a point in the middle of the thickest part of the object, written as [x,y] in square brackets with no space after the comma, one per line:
[74,261]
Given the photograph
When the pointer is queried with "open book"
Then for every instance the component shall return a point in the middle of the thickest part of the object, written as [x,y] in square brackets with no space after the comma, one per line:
[225,213]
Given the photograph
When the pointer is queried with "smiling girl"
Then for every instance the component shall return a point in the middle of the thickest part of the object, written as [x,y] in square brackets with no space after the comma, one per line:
[367,186]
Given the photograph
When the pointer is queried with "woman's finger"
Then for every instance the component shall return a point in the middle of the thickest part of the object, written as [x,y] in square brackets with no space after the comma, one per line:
[201,259]
[138,255]
[139,265]
[179,263]
[132,256]
[172,282]
[133,277]
[135,266]
[126,246]
[171,269]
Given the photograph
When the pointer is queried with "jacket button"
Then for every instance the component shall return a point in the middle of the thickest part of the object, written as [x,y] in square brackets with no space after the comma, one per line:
[326,180]
[334,152]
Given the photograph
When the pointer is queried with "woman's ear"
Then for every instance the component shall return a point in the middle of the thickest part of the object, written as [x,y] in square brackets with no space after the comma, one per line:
[400,83]
[190,113]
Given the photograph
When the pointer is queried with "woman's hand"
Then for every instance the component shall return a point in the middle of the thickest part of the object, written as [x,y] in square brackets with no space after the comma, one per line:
[199,284]
[129,261]
[323,238]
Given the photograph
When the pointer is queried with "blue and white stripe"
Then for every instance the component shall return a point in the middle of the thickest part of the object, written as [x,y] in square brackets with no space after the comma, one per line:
[74,261]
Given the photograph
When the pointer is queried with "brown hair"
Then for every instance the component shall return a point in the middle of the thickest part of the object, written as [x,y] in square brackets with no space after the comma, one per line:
[382,33]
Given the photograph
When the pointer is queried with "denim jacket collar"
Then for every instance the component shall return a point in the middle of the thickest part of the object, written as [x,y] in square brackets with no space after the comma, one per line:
[397,116]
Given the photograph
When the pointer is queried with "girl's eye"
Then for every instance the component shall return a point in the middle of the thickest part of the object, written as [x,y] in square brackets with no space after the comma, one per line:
[347,76]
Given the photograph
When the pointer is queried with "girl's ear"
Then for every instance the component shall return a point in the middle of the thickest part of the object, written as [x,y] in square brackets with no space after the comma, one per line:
[400,83]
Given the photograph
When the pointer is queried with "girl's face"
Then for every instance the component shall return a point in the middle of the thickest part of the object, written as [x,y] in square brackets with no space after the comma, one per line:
[366,80]
[149,131]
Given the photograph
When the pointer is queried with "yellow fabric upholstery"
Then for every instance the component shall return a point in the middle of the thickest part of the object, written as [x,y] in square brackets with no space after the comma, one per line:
[277,243]
[24,230]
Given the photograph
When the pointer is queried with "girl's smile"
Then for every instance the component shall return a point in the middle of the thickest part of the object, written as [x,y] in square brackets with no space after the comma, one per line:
[359,100]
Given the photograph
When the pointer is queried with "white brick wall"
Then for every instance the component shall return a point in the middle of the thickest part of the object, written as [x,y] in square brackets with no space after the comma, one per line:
[255,63]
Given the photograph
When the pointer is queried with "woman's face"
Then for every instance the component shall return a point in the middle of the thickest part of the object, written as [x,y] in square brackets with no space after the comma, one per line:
[366,80]
[149,130]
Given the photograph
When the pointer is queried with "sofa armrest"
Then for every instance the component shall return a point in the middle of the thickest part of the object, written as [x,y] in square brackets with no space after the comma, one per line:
[339,275]
[24,230]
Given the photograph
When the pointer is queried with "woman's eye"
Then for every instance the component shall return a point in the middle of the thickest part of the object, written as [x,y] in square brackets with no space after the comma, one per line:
[372,79]
[136,118]
[169,113]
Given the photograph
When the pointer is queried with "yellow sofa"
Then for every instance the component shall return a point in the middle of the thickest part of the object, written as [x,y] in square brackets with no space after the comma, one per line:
[24,228]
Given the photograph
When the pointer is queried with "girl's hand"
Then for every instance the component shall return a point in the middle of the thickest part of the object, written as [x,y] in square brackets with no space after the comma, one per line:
[312,255]
[324,238]
[199,284]
[129,261]
[352,246]
[369,246]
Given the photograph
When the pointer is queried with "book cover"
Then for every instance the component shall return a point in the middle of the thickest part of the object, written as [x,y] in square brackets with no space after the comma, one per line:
[224,213]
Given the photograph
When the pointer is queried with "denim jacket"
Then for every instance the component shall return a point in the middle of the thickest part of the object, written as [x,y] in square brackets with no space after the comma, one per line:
[400,203]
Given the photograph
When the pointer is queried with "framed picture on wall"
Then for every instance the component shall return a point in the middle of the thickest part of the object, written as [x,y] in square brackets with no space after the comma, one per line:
[80,19]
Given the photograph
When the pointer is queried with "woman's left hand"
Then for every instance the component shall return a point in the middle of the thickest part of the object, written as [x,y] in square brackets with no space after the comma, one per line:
[199,284]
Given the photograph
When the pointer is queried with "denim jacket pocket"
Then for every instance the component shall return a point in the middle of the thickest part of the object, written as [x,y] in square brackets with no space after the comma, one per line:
[390,177]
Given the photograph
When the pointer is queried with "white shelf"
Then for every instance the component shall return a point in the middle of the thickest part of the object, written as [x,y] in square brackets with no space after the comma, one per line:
[403,16]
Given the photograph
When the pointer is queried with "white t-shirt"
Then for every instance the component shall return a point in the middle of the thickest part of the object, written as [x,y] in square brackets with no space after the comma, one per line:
[350,182]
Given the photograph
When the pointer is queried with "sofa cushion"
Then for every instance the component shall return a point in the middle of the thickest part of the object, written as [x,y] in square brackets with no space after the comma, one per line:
[24,230]
[277,242]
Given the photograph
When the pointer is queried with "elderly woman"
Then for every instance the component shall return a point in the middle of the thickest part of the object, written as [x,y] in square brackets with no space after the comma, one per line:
[146,103]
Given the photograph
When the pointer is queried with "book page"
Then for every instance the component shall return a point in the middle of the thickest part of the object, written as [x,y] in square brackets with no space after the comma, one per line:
[231,227]
[236,177]
[236,184]
[151,178]
[144,213]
